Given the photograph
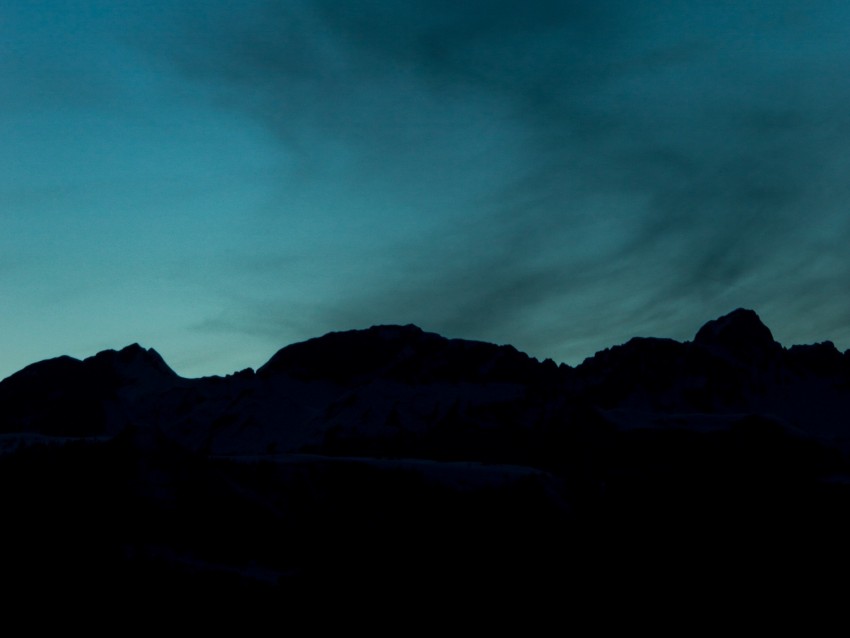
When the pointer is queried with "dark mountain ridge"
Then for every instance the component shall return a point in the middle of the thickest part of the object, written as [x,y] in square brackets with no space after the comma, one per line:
[344,452]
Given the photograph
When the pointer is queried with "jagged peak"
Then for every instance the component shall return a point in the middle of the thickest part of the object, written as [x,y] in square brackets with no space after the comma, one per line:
[822,357]
[822,347]
[738,331]
[637,351]
[134,357]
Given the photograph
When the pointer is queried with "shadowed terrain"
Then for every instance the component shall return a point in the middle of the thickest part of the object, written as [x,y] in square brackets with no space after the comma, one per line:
[401,459]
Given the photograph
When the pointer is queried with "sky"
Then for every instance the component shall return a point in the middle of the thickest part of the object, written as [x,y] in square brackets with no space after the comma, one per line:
[217,180]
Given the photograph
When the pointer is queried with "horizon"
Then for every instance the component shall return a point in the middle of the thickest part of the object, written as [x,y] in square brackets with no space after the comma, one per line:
[541,358]
[219,181]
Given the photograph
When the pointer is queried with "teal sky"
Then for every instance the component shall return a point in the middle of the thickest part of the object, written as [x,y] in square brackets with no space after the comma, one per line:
[216,180]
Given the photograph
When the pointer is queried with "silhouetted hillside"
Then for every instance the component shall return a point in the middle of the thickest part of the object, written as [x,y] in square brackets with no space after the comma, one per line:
[409,457]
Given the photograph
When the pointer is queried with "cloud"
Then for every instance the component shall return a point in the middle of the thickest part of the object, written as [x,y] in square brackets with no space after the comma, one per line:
[610,166]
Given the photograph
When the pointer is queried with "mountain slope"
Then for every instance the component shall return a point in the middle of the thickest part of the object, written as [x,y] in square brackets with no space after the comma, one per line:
[400,452]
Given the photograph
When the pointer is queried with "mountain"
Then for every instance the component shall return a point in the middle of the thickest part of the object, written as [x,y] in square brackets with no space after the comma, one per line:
[411,457]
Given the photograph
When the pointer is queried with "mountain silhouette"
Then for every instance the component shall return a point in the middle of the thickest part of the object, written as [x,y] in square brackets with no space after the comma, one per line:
[413,457]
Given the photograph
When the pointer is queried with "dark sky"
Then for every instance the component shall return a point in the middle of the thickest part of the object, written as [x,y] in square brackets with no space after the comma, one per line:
[217,179]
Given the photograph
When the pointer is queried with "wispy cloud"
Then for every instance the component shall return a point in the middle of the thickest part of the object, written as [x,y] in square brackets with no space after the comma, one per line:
[605,168]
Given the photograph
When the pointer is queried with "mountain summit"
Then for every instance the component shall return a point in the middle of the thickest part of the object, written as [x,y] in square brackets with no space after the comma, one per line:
[740,323]
[404,353]
[740,332]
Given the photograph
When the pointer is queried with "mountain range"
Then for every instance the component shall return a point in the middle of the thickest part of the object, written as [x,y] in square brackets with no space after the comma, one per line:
[415,459]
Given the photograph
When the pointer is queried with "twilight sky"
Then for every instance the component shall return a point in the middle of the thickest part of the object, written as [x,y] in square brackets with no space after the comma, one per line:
[217,179]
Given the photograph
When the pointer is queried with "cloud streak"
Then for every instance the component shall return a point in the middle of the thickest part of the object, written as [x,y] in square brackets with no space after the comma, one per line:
[557,174]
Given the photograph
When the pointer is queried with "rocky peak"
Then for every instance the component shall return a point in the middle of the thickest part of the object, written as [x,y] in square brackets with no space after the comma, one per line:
[822,359]
[740,334]
[132,362]
[404,353]
[344,355]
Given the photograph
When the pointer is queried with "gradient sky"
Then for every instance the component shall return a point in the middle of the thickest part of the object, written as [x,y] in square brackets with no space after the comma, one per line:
[219,179]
